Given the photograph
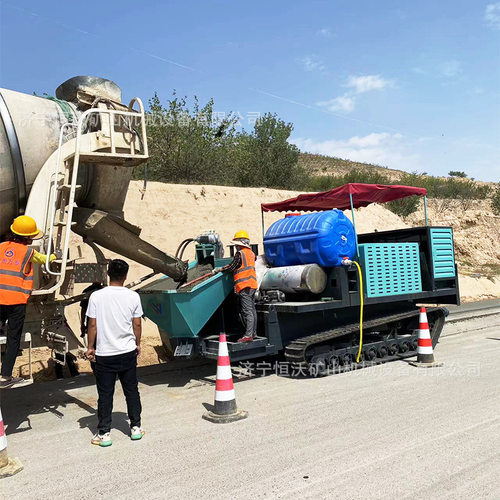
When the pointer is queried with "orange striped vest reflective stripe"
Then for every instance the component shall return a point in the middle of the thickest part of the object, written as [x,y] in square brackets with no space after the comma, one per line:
[245,276]
[16,273]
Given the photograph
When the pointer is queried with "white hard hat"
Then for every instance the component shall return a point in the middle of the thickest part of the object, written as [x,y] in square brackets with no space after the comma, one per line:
[241,243]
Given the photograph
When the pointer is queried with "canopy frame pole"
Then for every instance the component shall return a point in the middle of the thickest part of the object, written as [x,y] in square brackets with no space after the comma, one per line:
[262,215]
[354,224]
[425,211]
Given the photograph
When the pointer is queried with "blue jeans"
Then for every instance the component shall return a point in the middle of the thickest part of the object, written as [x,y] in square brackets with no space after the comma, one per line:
[107,369]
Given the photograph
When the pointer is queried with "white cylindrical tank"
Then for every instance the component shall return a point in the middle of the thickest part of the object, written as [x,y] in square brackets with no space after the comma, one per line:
[295,279]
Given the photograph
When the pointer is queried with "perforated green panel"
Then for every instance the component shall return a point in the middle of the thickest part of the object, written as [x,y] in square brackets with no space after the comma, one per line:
[443,256]
[390,268]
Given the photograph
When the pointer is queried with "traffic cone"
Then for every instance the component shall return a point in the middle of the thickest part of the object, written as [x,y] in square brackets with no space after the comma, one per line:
[425,354]
[225,409]
[8,466]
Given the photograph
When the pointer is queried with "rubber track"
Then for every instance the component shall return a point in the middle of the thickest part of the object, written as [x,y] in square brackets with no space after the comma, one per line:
[295,352]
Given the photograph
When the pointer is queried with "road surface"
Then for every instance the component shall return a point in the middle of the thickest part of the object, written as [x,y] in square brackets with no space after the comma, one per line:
[392,431]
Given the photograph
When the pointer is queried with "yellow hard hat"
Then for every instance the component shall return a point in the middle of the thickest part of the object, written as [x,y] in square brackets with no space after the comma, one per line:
[24,225]
[241,235]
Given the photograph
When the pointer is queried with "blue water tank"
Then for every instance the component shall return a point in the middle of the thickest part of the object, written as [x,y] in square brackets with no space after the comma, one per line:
[322,238]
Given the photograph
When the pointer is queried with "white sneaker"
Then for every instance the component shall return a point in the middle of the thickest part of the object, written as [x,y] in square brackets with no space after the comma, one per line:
[102,439]
[8,382]
[136,433]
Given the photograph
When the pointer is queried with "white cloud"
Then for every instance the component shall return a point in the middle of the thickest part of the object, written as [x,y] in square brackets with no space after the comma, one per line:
[341,103]
[447,70]
[312,63]
[324,32]
[367,83]
[356,85]
[492,15]
[372,140]
[450,69]
[378,148]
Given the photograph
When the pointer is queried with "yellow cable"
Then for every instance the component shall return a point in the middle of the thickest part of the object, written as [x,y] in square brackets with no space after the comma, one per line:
[360,309]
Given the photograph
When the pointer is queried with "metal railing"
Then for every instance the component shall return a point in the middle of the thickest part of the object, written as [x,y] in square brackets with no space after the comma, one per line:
[53,205]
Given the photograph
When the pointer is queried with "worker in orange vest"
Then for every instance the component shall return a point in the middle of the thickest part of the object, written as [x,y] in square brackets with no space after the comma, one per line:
[245,282]
[16,285]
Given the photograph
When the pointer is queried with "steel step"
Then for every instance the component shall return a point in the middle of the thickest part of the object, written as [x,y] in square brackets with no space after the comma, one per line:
[238,350]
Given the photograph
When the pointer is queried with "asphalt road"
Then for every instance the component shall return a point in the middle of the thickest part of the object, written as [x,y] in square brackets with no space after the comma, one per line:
[392,431]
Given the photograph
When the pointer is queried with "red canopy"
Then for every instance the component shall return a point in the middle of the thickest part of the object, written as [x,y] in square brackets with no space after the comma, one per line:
[362,195]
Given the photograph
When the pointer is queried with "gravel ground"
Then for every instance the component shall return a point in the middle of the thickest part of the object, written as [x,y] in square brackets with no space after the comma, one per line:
[392,431]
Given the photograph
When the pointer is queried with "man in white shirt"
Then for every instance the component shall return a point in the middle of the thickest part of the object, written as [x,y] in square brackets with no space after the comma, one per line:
[114,327]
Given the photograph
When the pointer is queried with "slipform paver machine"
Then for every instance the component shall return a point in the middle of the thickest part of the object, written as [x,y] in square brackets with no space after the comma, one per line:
[310,292]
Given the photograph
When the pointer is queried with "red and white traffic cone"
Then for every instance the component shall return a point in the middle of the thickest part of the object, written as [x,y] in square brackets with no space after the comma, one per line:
[225,409]
[8,466]
[425,354]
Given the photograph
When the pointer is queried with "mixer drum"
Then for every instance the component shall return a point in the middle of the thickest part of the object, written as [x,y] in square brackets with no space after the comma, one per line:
[29,134]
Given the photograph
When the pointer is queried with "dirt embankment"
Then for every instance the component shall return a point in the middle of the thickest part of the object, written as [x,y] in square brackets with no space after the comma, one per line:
[169,213]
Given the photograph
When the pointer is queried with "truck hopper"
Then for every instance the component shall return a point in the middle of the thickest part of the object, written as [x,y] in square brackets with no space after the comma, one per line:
[183,312]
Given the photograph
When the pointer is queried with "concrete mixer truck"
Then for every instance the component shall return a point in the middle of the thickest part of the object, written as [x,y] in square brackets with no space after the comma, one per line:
[67,162]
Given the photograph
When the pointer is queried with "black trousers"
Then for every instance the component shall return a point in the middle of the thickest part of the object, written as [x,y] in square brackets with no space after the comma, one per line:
[14,316]
[107,369]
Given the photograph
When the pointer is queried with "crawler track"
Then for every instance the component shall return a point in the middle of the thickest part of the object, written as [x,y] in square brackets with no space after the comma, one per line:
[387,338]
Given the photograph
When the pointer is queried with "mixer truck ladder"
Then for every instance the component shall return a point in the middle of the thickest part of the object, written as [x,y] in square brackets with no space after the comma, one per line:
[116,142]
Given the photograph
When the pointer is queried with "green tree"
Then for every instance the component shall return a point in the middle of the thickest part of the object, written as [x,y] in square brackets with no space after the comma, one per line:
[405,206]
[456,173]
[186,146]
[266,158]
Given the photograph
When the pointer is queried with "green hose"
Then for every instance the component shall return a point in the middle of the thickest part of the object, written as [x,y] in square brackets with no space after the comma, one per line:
[65,107]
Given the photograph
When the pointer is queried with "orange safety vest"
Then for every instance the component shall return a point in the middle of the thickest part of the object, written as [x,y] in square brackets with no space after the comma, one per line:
[245,276]
[16,273]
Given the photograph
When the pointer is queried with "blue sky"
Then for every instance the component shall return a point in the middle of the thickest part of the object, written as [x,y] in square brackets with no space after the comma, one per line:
[409,85]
